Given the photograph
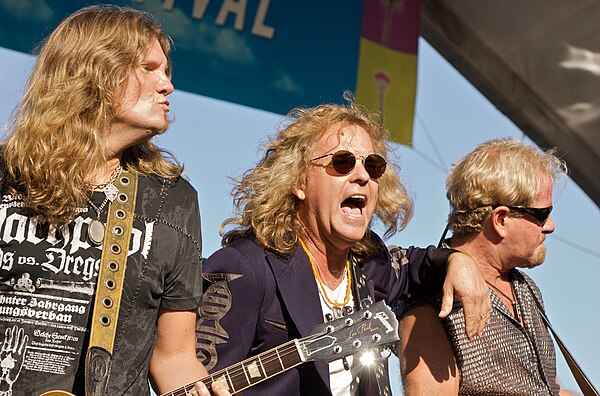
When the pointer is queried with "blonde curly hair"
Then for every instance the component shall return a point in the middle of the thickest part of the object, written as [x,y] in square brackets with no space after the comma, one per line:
[264,196]
[56,136]
[498,172]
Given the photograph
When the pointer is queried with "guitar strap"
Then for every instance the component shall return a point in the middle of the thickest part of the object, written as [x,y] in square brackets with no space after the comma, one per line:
[109,286]
[581,378]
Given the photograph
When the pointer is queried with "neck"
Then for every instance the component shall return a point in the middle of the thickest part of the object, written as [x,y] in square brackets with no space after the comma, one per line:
[331,261]
[484,253]
[104,172]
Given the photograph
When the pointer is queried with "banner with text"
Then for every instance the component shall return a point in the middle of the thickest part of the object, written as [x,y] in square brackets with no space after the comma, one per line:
[269,54]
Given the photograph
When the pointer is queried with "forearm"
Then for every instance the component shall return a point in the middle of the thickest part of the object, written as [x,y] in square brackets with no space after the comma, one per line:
[169,371]
[173,363]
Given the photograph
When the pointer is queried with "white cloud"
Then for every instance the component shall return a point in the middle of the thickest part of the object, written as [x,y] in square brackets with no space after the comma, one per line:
[285,82]
[211,39]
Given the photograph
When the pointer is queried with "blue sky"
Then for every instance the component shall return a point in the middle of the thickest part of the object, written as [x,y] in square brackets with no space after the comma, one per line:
[218,140]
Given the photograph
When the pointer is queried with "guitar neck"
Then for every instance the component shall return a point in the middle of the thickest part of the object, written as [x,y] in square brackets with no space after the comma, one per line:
[251,371]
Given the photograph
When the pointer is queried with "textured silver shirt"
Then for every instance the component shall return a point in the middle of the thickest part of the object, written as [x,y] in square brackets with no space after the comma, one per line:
[509,358]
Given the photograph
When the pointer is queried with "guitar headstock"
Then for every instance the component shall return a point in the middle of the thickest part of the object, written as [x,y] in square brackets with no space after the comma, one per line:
[363,330]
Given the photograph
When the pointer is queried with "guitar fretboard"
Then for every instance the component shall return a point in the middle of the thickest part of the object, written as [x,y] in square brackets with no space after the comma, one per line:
[251,371]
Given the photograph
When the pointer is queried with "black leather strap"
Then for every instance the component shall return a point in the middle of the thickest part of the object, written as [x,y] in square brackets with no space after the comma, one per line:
[582,380]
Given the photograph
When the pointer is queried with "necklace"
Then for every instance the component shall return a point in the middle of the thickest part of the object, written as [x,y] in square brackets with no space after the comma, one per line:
[96,229]
[108,187]
[332,303]
[515,306]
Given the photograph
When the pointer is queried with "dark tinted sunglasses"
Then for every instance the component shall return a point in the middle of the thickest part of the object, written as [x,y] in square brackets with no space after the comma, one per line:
[540,214]
[344,161]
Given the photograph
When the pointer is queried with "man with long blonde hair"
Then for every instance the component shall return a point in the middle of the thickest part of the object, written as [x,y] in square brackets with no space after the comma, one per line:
[301,251]
[83,129]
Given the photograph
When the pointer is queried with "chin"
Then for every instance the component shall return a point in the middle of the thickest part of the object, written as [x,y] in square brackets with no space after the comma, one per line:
[356,236]
[537,260]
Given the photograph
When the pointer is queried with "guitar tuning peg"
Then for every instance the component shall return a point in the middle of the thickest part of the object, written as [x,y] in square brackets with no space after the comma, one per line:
[348,310]
[366,302]
[385,352]
[345,363]
[393,350]
[328,317]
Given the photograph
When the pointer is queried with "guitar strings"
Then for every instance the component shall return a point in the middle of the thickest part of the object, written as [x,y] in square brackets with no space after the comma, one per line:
[279,354]
[285,351]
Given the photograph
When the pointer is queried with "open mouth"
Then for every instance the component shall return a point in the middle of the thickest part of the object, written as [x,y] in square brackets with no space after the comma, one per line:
[354,205]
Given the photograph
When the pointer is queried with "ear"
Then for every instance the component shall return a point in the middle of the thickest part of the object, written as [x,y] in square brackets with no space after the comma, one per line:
[497,219]
[299,193]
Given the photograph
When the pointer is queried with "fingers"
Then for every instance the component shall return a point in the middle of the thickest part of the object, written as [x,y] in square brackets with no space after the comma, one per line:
[467,283]
[12,338]
[477,314]
[447,301]
[201,389]
[217,387]
[23,343]
[6,341]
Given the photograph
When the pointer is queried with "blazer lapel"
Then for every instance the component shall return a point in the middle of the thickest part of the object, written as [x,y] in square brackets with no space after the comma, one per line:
[298,288]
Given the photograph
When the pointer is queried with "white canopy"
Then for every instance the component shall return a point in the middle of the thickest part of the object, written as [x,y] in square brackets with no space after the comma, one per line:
[538,61]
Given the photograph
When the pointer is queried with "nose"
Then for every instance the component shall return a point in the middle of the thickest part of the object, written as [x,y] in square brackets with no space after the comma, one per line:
[548,227]
[164,85]
[359,173]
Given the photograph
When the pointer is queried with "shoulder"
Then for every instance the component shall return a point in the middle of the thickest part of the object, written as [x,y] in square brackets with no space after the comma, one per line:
[243,261]
[525,281]
[522,278]
[244,252]
[170,204]
[3,169]
[158,196]
[381,254]
[176,185]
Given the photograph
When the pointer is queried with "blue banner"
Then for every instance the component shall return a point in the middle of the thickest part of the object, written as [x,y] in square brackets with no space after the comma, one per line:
[267,54]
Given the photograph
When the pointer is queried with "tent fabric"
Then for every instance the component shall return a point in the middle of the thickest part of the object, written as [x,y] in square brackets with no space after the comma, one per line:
[538,62]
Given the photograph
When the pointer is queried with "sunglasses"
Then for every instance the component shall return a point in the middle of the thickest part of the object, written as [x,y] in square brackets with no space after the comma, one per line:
[540,214]
[344,161]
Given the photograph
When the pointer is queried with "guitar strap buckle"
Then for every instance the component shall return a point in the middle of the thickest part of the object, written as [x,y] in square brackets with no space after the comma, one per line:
[97,371]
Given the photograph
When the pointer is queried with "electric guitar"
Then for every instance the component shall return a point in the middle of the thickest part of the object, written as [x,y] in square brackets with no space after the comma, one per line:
[362,331]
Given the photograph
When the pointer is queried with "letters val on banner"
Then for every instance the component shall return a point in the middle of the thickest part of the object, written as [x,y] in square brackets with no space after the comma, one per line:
[270,54]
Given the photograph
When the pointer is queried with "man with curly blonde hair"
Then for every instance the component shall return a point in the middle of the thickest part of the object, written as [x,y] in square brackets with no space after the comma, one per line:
[301,251]
[501,199]
[84,127]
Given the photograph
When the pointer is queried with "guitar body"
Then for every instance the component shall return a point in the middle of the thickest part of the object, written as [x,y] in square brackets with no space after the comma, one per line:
[57,393]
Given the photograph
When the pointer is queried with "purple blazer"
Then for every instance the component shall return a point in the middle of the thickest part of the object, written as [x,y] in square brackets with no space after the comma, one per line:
[255,300]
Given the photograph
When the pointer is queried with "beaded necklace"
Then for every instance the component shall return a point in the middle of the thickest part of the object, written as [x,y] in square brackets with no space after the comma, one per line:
[332,303]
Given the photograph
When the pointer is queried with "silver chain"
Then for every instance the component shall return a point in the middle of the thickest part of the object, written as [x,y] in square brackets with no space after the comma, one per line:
[98,209]
[102,186]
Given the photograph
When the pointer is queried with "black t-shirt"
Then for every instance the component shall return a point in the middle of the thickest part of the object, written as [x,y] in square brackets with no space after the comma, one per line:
[47,283]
